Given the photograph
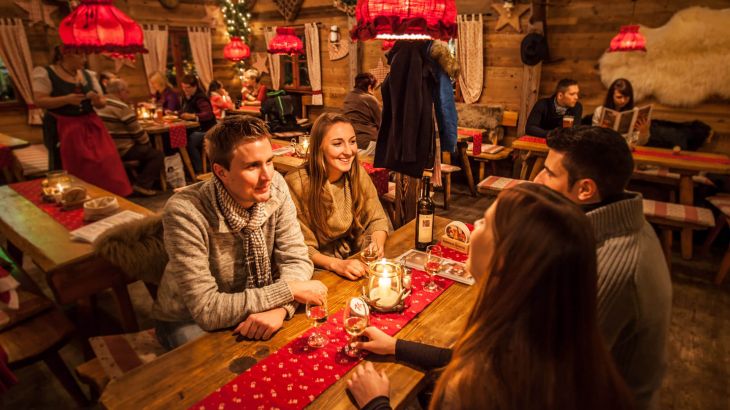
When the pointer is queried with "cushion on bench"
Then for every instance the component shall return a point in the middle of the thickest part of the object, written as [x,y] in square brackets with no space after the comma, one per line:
[677,214]
[494,184]
[721,202]
[33,160]
[118,354]
[666,173]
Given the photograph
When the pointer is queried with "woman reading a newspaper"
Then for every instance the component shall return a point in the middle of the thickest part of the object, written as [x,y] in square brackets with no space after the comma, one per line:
[620,98]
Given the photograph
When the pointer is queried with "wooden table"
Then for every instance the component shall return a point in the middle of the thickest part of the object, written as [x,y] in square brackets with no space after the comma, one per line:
[12,143]
[188,374]
[72,271]
[685,163]
[462,141]
[157,130]
[254,110]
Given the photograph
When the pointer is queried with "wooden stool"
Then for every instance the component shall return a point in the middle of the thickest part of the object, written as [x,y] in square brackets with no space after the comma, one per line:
[668,216]
[721,202]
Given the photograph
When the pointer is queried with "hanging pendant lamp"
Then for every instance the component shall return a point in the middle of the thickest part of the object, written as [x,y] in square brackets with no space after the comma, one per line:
[285,42]
[96,26]
[236,50]
[628,39]
[405,20]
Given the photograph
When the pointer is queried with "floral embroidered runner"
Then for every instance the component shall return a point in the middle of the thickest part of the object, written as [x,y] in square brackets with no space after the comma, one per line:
[31,190]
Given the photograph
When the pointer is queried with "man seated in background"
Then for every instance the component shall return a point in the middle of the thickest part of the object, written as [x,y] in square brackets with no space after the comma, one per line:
[561,109]
[237,254]
[131,140]
[592,167]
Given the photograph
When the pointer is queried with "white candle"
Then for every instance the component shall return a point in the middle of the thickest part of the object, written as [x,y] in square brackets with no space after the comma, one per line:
[386,297]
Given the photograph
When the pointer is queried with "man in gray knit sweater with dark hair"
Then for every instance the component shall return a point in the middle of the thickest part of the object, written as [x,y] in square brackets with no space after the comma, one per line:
[237,255]
[592,166]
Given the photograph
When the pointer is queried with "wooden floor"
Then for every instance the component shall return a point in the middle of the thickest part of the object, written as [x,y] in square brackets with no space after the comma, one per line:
[698,375]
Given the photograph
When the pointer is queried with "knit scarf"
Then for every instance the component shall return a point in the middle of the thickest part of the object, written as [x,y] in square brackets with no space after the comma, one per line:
[248,223]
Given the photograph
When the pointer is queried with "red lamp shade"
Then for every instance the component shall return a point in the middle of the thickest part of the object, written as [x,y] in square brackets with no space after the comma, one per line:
[96,26]
[285,42]
[236,50]
[410,19]
[628,39]
[387,45]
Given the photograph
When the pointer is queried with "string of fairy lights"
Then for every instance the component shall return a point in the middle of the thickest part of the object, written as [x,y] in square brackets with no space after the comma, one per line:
[236,16]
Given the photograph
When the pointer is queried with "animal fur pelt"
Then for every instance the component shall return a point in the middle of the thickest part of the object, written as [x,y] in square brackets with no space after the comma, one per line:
[687,60]
[136,247]
[441,54]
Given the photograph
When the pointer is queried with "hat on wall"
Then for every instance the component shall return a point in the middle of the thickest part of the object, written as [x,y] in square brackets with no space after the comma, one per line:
[534,49]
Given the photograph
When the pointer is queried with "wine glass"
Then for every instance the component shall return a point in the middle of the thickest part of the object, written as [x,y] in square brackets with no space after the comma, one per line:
[355,318]
[318,315]
[432,267]
[370,250]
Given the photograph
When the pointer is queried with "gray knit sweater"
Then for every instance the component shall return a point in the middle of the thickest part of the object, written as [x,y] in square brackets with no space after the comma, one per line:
[205,279]
[634,295]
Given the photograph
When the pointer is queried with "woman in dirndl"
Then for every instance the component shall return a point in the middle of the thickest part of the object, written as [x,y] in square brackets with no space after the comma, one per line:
[75,136]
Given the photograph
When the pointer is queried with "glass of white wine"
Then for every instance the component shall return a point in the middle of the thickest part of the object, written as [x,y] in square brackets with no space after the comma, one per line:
[370,250]
[318,315]
[356,317]
[434,260]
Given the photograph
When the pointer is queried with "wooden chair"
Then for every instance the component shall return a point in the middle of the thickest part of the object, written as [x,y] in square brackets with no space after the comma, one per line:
[722,203]
[446,171]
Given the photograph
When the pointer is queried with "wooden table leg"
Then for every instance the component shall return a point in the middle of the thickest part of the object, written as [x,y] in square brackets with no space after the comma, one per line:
[59,369]
[482,170]
[525,159]
[163,175]
[686,197]
[126,310]
[537,167]
[187,162]
[467,169]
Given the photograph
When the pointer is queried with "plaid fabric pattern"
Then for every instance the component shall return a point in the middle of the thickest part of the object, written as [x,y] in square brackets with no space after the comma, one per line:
[248,223]
[494,184]
[33,159]
[678,213]
[721,202]
[666,173]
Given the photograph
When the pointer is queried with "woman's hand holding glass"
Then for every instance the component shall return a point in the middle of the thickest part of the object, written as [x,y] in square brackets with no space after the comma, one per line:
[317,313]
[379,342]
[352,269]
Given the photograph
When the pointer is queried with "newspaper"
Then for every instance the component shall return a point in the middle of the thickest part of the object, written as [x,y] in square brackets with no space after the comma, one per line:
[90,232]
[624,122]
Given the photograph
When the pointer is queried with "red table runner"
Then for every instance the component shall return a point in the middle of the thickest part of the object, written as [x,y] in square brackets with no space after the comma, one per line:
[296,374]
[31,190]
[536,140]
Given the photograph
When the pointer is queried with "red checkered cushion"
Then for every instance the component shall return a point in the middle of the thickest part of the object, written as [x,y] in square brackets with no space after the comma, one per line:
[657,211]
[665,173]
[494,184]
[118,354]
[33,160]
[721,202]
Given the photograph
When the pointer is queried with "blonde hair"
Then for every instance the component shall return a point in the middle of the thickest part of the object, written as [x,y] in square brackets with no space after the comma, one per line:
[253,74]
[159,77]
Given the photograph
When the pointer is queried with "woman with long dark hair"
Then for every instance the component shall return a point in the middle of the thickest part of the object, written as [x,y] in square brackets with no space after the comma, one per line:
[337,203]
[219,99]
[196,106]
[620,97]
[364,110]
[532,340]
[74,135]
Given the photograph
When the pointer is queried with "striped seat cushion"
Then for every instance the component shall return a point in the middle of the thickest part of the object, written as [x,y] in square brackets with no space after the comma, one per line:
[666,173]
[448,168]
[288,134]
[119,354]
[677,214]
[721,202]
[33,160]
[494,184]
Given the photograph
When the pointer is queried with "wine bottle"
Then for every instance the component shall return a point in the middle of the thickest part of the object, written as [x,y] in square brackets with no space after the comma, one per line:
[424,217]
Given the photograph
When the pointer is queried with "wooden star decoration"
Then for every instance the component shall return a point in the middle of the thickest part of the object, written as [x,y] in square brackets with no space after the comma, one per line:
[211,14]
[510,16]
[380,72]
[260,63]
[38,12]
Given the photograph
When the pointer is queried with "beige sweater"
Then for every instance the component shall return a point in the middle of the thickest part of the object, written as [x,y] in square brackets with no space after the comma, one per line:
[346,238]
[205,279]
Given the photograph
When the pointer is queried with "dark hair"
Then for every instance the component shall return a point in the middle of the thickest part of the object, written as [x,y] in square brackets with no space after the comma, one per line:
[223,138]
[214,86]
[564,84]
[57,55]
[532,338]
[597,153]
[365,80]
[623,86]
[193,81]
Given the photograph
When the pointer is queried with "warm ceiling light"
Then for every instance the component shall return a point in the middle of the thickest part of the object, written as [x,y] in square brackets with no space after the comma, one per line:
[96,26]
[405,20]
[236,50]
[285,42]
[628,39]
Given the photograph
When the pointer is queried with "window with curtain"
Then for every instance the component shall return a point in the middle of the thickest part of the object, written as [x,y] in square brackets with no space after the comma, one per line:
[7,91]
[294,72]
[179,56]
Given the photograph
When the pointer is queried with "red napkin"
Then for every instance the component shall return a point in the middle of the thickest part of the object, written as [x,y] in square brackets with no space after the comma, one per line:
[178,136]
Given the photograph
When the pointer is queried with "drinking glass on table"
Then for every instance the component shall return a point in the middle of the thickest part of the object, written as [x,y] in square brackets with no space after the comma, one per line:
[355,318]
[568,121]
[318,315]
[370,250]
[434,260]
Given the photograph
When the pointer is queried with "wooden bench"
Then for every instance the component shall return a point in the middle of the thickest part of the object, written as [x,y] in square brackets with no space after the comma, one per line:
[669,216]
[493,185]
[661,175]
[722,203]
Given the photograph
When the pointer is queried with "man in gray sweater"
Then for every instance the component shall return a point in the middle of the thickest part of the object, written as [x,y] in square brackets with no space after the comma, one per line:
[592,166]
[237,255]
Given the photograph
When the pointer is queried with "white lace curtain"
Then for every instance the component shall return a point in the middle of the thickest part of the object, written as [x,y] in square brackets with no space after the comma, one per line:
[155,41]
[471,56]
[15,53]
[274,66]
[201,46]
[311,35]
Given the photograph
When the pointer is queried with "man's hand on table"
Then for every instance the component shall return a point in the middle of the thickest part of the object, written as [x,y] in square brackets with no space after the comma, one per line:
[308,291]
[260,326]
[188,116]
[366,384]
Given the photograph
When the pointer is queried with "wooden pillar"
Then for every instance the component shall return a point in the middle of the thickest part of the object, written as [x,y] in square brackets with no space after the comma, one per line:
[353,57]
[530,85]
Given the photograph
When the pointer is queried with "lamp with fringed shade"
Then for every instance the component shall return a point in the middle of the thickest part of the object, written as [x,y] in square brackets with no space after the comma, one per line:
[236,50]
[405,20]
[96,27]
[628,39]
[285,42]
